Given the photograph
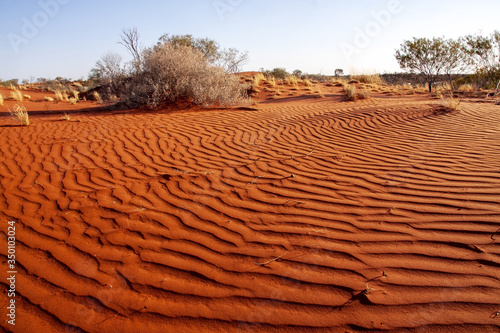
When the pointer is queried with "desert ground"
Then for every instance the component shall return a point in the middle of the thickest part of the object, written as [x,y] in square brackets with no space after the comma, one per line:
[300,213]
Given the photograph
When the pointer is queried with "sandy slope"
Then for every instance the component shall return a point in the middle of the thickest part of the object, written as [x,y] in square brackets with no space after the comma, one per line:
[304,215]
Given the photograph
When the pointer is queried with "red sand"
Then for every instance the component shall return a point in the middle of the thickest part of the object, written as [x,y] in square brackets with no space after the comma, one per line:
[306,215]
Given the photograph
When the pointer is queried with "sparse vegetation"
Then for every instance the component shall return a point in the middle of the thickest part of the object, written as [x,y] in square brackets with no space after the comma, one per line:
[350,91]
[452,104]
[1,100]
[72,100]
[48,99]
[19,113]
[97,97]
[17,95]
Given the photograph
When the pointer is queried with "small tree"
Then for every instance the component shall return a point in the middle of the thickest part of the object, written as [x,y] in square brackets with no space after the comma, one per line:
[339,71]
[484,53]
[426,57]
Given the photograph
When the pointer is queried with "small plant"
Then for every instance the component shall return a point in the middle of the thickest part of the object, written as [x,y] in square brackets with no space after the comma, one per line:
[48,99]
[59,95]
[292,80]
[26,96]
[272,82]
[72,100]
[65,117]
[452,104]
[350,91]
[97,97]
[320,93]
[364,94]
[16,95]
[1,99]
[307,83]
[257,78]
[20,114]
[75,94]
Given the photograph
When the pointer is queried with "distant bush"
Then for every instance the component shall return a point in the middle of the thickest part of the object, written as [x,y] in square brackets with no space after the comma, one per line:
[174,72]
[368,78]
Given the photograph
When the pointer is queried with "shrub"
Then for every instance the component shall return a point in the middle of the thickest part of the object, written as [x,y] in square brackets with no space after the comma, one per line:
[20,114]
[173,72]
[452,104]
[72,100]
[97,97]
[1,99]
[350,91]
[307,83]
[59,95]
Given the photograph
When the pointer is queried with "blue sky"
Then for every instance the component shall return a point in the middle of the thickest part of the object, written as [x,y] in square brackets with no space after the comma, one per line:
[49,38]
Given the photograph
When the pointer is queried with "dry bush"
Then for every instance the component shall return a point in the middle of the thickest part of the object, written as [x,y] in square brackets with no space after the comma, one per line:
[97,97]
[320,93]
[48,99]
[17,95]
[59,95]
[465,88]
[452,104]
[72,100]
[1,99]
[171,73]
[272,82]
[350,91]
[20,114]
[307,83]
[75,94]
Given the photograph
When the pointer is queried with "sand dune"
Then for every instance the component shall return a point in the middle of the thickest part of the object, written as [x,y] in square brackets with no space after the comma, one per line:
[305,215]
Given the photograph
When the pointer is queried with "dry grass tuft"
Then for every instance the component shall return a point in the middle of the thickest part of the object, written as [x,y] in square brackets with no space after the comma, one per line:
[48,99]
[452,104]
[26,96]
[20,114]
[368,78]
[97,97]
[72,100]
[257,79]
[350,91]
[1,99]
[307,83]
[59,95]
[466,88]
[65,117]
[292,80]
[17,95]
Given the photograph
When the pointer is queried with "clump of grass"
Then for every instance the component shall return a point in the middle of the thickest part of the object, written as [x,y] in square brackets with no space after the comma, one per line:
[17,95]
[48,99]
[350,91]
[72,100]
[292,80]
[65,117]
[466,88]
[363,94]
[1,99]
[20,114]
[272,82]
[75,94]
[97,97]
[257,79]
[452,104]
[307,83]
[368,78]
[26,96]
[320,93]
[59,95]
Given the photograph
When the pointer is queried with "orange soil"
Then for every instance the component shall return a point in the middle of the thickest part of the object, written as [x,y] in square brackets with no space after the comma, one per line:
[305,214]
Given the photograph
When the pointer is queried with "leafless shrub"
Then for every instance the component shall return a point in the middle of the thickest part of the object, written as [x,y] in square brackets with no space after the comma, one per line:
[172,72]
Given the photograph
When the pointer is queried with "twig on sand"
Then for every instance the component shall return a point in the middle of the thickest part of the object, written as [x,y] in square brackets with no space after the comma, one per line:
[495,314]
[310,152]
[270,261]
